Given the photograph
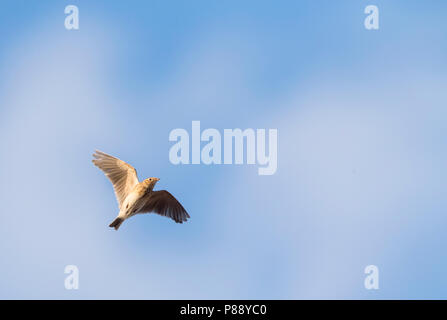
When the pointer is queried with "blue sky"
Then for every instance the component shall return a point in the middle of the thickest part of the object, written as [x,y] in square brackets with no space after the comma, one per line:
[361,173]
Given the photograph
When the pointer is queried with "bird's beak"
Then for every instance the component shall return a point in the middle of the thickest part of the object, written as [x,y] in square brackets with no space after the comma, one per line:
[158,179]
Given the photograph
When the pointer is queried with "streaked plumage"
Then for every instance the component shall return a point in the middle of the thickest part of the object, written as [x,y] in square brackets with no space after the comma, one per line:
[137,197]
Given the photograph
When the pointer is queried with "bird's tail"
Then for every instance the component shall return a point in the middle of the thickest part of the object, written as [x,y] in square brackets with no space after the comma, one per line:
[116,223]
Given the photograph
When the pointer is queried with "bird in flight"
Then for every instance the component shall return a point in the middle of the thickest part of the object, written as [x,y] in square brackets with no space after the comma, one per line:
[134,196]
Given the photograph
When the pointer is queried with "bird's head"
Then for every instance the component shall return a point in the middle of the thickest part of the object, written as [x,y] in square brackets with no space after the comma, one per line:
[151,182]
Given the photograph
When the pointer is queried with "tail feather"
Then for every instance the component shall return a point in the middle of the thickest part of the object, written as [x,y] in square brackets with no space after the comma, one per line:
[116,223]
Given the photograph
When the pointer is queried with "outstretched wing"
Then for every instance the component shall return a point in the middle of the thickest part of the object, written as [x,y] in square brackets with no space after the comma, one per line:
[165,204]
[122,175]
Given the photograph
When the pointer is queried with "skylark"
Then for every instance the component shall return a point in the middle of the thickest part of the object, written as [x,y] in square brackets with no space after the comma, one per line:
[134,196]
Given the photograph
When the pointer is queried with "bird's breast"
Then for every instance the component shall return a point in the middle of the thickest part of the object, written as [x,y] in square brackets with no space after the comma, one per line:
[130,201]
[134,201]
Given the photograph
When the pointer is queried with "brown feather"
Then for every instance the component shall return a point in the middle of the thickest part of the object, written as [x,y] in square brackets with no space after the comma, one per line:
[165,204]
[122,175]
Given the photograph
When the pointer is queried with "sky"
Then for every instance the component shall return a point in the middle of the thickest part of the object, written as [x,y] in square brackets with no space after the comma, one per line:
[361,176]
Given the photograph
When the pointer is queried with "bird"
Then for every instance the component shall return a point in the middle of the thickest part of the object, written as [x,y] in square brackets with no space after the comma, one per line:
[136,197]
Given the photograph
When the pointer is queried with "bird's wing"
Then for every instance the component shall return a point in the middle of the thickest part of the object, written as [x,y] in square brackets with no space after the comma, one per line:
[122,175]
[165,204]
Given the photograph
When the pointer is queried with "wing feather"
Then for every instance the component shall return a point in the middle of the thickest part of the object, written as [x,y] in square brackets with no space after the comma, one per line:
[122,175]
[164,204]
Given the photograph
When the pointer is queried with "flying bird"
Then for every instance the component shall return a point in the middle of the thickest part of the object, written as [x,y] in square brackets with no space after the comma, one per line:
[134,196]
